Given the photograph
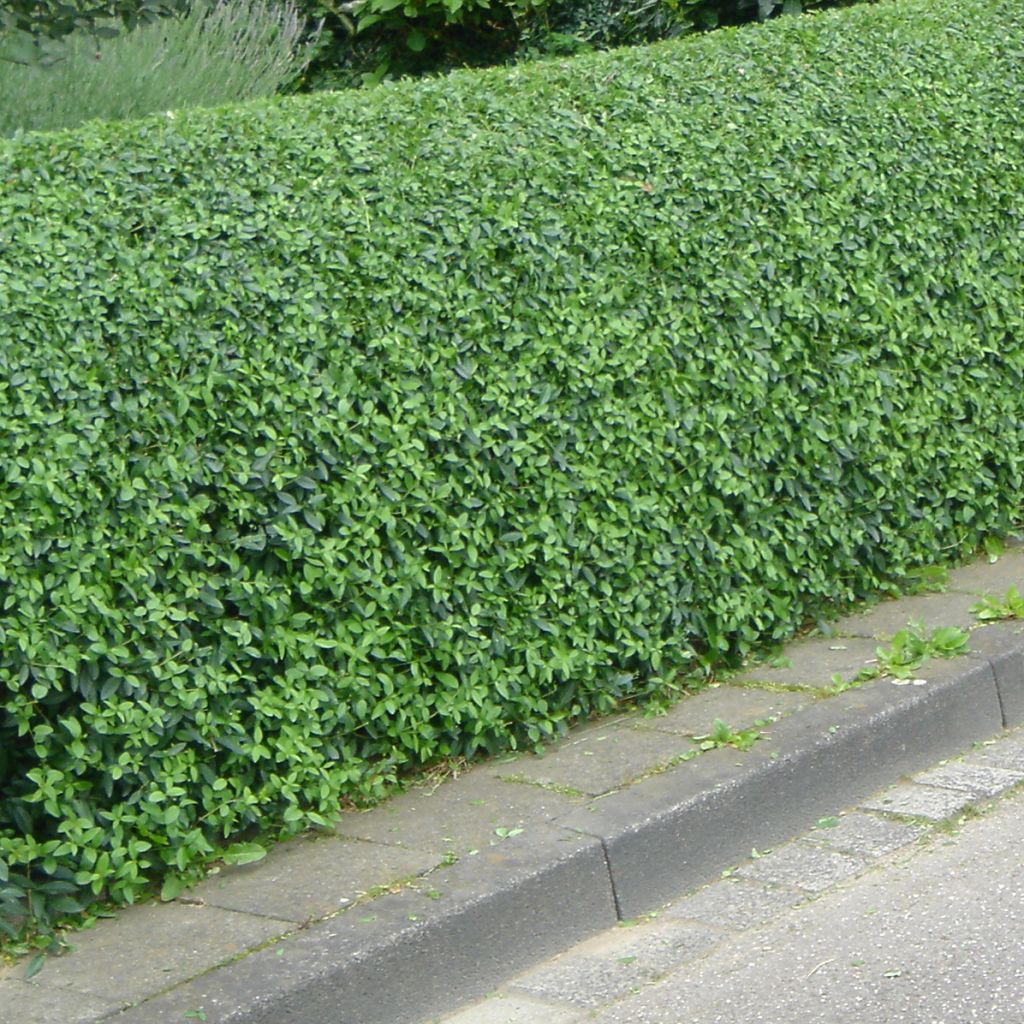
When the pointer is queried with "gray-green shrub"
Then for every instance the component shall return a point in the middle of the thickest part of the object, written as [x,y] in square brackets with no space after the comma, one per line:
[224,53]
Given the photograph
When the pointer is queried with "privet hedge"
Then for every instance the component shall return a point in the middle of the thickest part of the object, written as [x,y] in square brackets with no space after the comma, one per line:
[347,432]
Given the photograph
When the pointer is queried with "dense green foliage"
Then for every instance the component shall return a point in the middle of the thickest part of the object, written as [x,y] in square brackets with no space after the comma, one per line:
[220,53]
[363,40]
[343,433]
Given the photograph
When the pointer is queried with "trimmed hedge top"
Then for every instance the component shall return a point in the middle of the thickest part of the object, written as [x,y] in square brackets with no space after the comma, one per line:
[347,432]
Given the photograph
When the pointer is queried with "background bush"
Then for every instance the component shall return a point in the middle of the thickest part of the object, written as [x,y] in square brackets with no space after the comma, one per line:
[364,40]
[568,26]
[344,433]
[225,52]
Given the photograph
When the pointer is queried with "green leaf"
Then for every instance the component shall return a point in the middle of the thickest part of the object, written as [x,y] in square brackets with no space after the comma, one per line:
[19,48]
[243,853]
[35,965]
[994,547]
[173,886]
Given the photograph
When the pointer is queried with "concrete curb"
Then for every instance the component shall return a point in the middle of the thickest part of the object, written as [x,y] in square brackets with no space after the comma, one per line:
[407,957]
[683,828]
[574,870]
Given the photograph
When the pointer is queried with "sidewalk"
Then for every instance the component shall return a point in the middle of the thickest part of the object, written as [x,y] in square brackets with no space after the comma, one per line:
[436,897]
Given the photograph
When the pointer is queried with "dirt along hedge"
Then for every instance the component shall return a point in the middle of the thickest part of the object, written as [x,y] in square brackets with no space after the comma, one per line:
[342,433]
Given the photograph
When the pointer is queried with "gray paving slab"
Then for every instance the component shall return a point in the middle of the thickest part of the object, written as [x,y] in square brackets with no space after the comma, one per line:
[654,948]
[993,578]
[889,617]
[815,661]
[517,1009]
[1007,752]
[738,706]
[147,948]
[919,801]
[869,835]
[978,780]
[598,758]
[734,903]
[1002,644]
[22,1002]
[713,810]
[402,957]
[617,962]
[310,877]
[458,816]
[582,981]
[804,866]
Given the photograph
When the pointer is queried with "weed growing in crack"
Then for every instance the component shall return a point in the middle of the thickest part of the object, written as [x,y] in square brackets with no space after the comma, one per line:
[723,735]
[992,609]
[907,651]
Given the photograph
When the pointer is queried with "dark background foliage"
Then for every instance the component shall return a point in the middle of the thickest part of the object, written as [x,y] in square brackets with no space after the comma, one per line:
[352,51]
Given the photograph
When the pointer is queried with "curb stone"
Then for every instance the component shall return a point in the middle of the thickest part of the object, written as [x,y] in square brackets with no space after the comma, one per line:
[499,911]
[558,866]
[687,824]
